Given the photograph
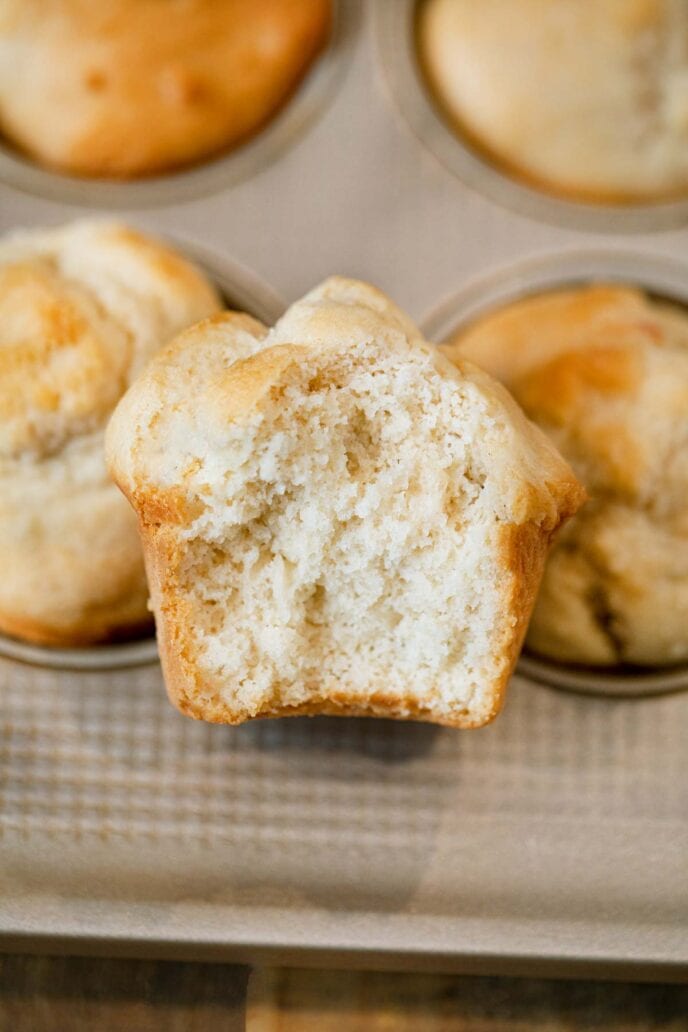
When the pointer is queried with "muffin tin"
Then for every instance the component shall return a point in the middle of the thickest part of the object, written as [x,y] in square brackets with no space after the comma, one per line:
[556,838]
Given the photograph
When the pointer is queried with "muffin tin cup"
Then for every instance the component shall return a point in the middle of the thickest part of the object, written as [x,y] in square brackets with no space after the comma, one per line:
[239,289]
[96,657]
[627,684]
[217,172]
[396,35]
[659,276]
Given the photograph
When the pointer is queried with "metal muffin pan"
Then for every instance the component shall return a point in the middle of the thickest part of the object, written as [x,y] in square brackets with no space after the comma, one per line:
[554,840]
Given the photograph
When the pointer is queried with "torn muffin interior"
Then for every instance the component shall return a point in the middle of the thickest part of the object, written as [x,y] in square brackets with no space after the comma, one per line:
[350,539]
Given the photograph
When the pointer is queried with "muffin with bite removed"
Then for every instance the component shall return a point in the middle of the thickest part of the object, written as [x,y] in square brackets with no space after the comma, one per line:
[335,518]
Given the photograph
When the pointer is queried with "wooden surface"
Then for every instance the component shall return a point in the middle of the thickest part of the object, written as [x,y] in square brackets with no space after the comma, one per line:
[310,1001]
[42,994]
[73,994]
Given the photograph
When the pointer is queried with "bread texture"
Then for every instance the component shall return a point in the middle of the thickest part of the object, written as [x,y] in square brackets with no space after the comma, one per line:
[603,370]
[82,309]
[129,88]
[335,519]
[588,100]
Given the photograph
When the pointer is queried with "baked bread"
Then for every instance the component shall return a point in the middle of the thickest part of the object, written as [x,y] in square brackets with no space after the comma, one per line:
[586,98]
[82,308]
[334,519]
[125,88]
[604,371]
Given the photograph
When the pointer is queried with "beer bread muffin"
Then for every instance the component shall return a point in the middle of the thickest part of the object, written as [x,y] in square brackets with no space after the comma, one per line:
[126,88]
[603,370]
[82,308]
[586,99]
[335,519]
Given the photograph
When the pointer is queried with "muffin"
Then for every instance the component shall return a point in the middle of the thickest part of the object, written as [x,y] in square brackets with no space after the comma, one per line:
[127,88]
[603,370]
[335,519]
[585,99]
[82,309]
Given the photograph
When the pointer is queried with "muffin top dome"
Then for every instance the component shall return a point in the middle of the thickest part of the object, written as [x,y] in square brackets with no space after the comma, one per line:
[583,99]
[126,88]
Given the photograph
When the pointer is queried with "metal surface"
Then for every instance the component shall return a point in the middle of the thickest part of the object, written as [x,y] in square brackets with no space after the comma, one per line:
[556,838]
[99,657]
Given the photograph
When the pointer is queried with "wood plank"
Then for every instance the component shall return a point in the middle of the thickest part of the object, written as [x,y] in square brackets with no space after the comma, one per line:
[335,1001]
[77,994]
